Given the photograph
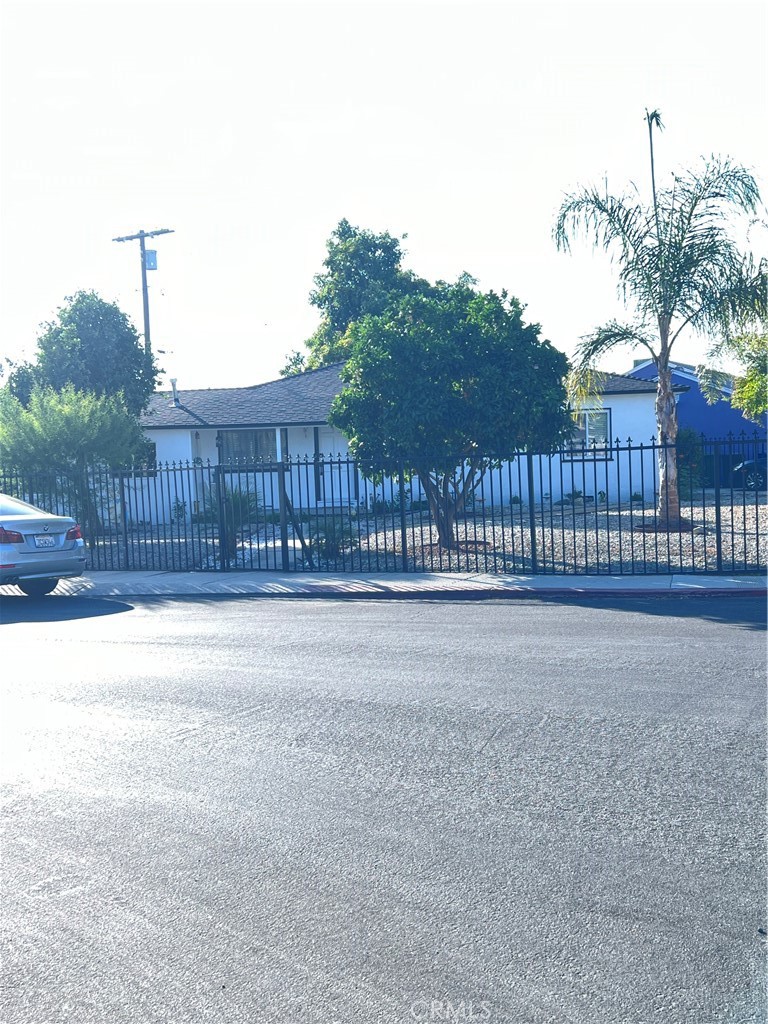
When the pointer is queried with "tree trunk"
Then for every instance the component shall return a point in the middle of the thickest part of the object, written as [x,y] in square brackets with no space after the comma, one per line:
[89,513]
[443,509]
[668,510]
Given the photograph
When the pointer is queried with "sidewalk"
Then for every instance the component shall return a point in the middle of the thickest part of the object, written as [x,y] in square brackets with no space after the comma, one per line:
[400,585]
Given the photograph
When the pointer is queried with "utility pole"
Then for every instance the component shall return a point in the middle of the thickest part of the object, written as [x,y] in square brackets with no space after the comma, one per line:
[146,264]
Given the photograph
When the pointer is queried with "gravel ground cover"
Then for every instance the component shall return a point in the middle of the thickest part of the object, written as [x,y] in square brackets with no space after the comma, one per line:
[570,539]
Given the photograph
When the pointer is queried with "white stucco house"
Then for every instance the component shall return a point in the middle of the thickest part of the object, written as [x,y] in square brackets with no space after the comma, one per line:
[287,419]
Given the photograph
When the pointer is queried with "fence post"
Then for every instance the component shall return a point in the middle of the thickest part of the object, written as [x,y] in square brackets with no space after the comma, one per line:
[281,493]
[718,522]
[124,510]
[531,512]
[403,533]
[220,504]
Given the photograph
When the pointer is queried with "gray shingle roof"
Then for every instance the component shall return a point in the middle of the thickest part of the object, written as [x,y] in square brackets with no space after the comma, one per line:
[621,384]
[302,400]
[618,384]
[291,401]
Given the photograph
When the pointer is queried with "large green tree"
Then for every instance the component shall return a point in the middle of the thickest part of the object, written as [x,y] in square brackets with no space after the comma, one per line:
[93,346]
[445,384]
[680,268]
[363,275]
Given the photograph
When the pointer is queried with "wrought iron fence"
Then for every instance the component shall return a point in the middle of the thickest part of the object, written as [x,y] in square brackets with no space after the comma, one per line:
[575,511]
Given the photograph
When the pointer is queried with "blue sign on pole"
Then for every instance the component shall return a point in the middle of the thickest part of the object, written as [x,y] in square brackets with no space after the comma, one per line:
[150,259]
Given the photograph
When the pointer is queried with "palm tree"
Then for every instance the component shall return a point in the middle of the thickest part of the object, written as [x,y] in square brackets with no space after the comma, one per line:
[680,269]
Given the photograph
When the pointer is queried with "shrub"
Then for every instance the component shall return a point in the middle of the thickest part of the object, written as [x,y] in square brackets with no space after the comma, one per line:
[241,508]
[179,510]
[380,507]
[333,538]
[690,459]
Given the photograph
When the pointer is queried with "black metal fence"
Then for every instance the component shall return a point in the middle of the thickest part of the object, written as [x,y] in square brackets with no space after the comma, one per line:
[576,511]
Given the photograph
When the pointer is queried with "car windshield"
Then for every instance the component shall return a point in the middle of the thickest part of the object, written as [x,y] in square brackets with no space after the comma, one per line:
[14,507]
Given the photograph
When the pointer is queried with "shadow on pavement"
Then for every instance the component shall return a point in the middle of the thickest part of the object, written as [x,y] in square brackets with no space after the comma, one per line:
[736,609]
[16,608]
[743,610]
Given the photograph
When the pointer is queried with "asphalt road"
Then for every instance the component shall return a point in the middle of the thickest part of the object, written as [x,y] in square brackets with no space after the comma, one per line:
[328,811]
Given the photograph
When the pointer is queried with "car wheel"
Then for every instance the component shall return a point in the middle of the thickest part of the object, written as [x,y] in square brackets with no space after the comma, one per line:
[754,480]
[38,588]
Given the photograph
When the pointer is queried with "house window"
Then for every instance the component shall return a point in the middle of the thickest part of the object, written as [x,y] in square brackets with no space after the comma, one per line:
[591,436]
[248,446]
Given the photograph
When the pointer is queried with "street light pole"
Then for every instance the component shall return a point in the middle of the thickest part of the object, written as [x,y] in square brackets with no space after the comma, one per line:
[141,235]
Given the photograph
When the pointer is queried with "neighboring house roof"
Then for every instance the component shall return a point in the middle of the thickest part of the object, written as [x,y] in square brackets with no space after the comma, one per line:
[302,400]
[621,384]
[694,411]
[680,370]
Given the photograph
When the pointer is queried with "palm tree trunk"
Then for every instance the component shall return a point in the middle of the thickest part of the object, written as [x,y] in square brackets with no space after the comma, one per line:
[668,510]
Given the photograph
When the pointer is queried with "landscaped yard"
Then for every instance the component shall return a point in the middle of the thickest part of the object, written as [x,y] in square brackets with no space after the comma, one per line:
[570,538]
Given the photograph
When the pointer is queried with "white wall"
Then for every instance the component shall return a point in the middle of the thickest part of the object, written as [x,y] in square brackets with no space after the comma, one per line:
[172,445]
[632,416]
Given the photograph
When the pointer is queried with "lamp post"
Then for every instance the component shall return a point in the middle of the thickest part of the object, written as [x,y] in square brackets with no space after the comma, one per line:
[148,262]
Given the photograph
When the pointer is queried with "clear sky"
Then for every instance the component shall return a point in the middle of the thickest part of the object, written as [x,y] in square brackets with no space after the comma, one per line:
[251,129]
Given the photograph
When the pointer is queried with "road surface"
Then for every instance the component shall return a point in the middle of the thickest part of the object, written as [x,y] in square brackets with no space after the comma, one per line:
[329,811]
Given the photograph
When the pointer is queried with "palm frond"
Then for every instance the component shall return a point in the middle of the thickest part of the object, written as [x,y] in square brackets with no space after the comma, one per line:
[584,382]
[603,339]
[712,382]
[582,387]
[607,220]
[623,228]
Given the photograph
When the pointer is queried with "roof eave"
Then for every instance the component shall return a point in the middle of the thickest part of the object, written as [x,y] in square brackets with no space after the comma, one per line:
[235,426]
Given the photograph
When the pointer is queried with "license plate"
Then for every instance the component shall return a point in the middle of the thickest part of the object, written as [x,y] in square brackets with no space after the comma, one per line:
[45,542]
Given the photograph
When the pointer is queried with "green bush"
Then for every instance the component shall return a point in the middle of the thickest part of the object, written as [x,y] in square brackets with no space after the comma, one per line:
[380,507]
[690,460]
[333,538]
[241,508]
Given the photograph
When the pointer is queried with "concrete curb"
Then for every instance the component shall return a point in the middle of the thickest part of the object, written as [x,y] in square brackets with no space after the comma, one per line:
[399,586]
[427,595]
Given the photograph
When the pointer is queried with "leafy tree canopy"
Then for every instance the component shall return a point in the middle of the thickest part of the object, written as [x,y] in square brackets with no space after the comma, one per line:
[66,430]
[93,346]
[750,385]
[445,383]
[296,362]
[363,276]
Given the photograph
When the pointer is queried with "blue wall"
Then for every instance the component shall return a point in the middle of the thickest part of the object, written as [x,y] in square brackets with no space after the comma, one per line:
[693,410]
